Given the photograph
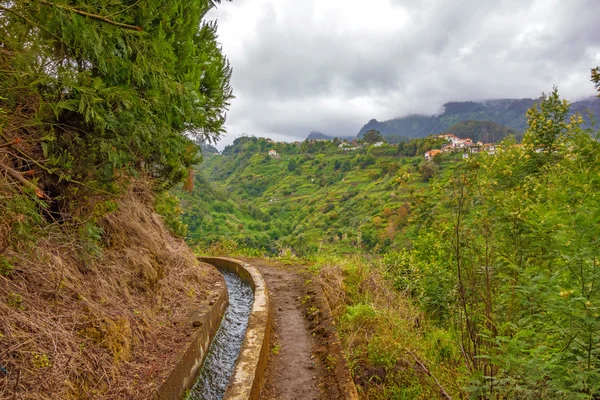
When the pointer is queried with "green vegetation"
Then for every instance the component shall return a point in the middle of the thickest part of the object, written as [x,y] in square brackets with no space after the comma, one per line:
[316,195]
[373,136]
[94,94]
[511,242]
[482,271]
[389,343]
[483,131]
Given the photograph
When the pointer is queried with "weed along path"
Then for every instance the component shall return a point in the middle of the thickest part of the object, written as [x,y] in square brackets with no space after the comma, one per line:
[298,366]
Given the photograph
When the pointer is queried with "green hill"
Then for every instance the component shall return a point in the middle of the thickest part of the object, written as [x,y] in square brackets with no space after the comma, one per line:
[319,135]
[309,196]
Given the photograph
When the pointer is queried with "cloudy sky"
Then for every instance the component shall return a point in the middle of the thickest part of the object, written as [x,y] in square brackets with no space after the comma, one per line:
[332,65]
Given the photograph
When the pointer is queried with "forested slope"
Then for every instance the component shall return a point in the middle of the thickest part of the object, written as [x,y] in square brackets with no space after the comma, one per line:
[308,196]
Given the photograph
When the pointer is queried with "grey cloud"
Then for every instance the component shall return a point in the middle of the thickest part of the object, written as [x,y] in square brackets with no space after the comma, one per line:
[294,73]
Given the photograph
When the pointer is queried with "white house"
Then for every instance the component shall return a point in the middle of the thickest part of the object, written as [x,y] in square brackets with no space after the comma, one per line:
[273,153]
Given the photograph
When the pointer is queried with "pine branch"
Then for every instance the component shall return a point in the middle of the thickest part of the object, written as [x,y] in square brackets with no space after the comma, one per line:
[16,175]
[123,10]
[94,16]
[10,10]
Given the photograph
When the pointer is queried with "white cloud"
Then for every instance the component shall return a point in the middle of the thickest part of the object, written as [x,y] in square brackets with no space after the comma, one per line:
[333,65]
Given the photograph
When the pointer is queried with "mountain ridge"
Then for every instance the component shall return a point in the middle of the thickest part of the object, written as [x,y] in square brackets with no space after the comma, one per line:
[508,112]
[316,135]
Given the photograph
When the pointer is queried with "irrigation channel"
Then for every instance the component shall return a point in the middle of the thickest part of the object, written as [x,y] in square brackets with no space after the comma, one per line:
[225,348]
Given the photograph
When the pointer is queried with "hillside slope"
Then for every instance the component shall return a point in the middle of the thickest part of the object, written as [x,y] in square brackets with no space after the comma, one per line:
[102,318]
[314,135]
[488,281]
[309,196]
[482,131]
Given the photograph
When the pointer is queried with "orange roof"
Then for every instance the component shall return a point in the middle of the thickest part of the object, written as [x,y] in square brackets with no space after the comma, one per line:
[432,152]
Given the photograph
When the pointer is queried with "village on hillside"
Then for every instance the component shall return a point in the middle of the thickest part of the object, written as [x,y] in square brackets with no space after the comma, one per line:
[456,144]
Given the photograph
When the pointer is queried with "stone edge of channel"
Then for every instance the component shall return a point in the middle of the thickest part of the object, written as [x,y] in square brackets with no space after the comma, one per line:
[249,372]
[184,374]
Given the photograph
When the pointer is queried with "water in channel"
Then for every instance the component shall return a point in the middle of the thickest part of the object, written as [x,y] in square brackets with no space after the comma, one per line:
[225,348]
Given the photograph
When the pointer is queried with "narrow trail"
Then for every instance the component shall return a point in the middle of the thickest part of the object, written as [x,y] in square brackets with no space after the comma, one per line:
[306,360]
[293,373]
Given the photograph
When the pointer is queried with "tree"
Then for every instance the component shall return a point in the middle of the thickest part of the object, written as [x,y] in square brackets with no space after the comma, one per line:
[407,149]
[512,253]
[548,128]
[102,91]
[292,165]
[346,165]
[373,136]
[428,170]
[596,78]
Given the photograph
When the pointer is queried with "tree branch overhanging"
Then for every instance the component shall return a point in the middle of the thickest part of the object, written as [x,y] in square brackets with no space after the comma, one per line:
[94,16]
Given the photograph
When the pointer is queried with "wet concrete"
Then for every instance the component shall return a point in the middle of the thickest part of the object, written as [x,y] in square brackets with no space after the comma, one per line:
[220,361]
[248,376]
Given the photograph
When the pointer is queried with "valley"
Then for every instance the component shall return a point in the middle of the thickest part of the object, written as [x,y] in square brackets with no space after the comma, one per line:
[467,273]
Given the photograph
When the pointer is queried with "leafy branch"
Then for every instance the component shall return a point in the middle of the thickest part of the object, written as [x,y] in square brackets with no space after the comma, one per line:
[94,16]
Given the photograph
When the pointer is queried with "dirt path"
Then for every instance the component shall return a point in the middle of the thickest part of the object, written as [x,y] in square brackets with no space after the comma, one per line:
[293,371]
[306,360]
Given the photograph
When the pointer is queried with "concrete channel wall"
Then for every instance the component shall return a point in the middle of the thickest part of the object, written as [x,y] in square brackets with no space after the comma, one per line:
[248,375]
[208,319]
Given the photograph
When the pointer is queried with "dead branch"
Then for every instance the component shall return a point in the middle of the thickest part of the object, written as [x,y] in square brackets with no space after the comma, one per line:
[16,175]
[443,392]
[16,141]
[17,384]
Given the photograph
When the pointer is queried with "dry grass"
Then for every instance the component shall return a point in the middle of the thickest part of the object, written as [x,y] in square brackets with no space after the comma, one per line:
[343,286]
[76,325]
[382,332]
